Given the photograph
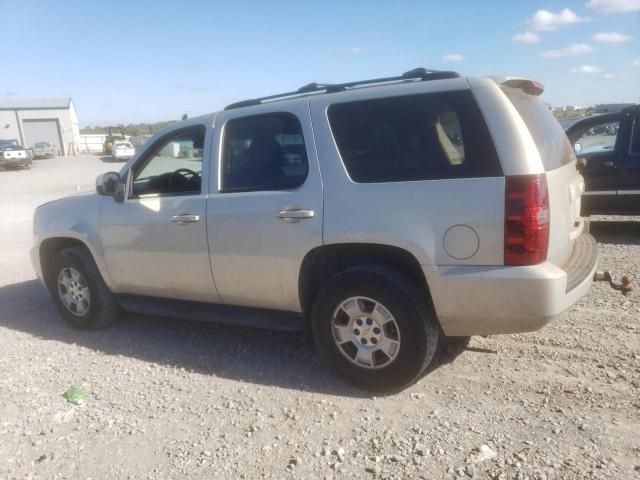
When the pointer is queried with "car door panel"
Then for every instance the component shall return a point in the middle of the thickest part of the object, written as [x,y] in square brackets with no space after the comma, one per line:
[150,253]
[599,165]
[156,244]
[258,239]
[629,183]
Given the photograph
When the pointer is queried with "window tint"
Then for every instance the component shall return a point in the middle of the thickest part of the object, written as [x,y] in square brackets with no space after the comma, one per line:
[263,152]
[599,139]
[551,140]
[635,137]
[416,137]
[174,166]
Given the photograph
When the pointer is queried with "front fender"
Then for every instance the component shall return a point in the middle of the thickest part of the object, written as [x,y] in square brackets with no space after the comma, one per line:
[74,218]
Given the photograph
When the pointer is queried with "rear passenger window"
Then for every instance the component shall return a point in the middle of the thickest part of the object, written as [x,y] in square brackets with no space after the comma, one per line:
[263,152]
[416,137]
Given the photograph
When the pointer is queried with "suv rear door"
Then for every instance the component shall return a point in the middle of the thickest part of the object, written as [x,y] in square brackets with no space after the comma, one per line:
[264,212]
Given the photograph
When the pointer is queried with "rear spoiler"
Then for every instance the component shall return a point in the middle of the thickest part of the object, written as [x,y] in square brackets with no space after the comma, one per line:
[532,87]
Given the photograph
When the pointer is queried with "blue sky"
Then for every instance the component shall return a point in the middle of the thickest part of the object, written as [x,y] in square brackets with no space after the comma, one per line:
[133,61]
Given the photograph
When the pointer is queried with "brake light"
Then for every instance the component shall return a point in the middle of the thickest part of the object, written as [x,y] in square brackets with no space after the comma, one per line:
[526,220]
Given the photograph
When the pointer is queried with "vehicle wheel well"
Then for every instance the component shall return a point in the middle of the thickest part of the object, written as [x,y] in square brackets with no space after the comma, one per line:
[322,263]
[52,245]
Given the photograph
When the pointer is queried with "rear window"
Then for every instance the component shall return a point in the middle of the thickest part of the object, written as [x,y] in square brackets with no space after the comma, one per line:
[414,137]
[548,135]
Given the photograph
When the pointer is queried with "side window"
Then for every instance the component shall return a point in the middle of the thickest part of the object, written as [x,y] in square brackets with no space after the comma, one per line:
[263,152]
[416,137]
[173,166]
[599,138]
[635,138]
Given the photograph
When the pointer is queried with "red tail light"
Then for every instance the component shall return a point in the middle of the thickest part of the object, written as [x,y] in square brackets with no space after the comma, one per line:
[526,220]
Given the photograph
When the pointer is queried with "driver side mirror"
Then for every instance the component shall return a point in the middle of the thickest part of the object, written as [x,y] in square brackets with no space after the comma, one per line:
[108,184]
[577,147]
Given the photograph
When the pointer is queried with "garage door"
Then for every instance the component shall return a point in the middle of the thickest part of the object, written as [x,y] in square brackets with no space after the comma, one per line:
[42,131]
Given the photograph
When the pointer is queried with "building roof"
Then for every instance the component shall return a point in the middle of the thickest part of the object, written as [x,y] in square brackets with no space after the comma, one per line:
[35,103]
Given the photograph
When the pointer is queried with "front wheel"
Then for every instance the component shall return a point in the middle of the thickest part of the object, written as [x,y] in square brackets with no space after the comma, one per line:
[79,292]
[375,328]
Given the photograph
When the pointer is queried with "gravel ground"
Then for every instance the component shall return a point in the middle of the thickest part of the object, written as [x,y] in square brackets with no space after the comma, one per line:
[174,399]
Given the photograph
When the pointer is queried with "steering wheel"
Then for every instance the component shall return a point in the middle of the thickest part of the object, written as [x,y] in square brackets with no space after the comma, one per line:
[188,176]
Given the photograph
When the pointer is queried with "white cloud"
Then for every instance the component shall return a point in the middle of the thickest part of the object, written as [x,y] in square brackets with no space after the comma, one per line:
[589,69]
[355,50]
[546,20]
[612,37]
[526,37]
[608,76]
[570,51]
[636,63]
[610,6]
[453,57]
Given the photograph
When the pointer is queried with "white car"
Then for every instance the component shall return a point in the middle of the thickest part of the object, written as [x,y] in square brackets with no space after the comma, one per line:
[382,214]
[122,151]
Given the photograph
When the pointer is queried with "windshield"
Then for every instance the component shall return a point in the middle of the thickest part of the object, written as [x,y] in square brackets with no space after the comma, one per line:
[10,146]
[548,135]
[42,144]
[124,145]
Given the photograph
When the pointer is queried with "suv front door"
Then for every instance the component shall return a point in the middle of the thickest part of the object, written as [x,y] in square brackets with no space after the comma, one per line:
[264,213]
[155,241]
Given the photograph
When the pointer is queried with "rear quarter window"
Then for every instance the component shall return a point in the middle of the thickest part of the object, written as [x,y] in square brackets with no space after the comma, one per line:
[415,137]
[549,137]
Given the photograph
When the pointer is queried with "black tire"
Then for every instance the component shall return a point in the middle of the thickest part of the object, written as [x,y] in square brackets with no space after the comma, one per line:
[103,309]
[414,315]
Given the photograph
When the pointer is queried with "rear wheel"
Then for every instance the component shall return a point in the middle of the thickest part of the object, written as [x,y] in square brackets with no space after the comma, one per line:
[375,328]
[79,292]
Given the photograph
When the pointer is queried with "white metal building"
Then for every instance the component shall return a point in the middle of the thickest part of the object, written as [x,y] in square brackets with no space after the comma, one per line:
[40,120]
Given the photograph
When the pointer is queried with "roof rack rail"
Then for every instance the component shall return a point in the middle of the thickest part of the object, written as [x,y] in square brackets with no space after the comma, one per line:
[417,74]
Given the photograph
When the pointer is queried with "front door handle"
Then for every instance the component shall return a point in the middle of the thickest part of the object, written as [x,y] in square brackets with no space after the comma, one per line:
[295,214]
[609,164]
[185,218]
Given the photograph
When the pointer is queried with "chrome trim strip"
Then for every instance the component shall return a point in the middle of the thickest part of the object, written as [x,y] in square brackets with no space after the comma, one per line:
[599,192]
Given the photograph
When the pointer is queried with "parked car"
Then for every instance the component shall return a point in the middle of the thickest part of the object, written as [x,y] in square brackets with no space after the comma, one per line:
[44,150]
[122,151]
[13,155]
[608,150]
[346,208]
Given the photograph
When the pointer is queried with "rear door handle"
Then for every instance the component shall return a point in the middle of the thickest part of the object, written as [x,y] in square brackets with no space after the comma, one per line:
[609,164]
[185,218]
[295,214]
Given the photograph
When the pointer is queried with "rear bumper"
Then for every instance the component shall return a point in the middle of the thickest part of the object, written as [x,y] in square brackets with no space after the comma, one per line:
[489,300]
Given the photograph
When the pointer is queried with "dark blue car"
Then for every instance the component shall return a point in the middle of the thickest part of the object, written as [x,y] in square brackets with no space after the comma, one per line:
[608,151]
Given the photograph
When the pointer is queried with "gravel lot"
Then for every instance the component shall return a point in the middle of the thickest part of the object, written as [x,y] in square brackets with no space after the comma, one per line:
[174,399]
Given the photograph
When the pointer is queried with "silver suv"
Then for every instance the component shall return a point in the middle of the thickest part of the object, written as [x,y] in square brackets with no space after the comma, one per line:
[384,214]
